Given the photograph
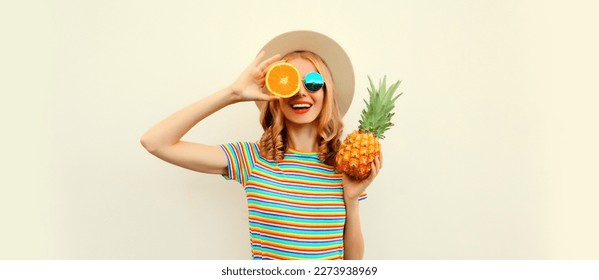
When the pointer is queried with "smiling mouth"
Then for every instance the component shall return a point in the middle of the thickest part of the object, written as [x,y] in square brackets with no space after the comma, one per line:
[301,108]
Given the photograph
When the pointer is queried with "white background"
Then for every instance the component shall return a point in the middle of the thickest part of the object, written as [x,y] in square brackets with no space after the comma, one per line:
[493,155]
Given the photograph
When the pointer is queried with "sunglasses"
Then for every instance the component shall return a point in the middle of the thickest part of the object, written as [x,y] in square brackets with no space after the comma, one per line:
[313,81]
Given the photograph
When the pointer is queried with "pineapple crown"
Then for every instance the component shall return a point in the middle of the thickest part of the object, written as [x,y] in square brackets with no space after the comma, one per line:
[376,117]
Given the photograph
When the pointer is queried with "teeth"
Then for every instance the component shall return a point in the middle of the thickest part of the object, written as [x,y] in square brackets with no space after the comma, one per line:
[300,106]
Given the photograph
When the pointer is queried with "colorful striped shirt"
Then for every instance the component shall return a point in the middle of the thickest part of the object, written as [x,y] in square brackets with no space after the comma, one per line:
[296,208]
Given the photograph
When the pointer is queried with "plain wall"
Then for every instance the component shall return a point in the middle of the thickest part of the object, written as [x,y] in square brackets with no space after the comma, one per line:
[493,155]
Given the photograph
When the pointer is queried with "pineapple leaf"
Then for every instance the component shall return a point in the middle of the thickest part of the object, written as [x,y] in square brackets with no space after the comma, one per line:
[377,114]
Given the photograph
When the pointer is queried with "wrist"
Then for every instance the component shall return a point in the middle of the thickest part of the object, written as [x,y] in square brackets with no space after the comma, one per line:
[350,198]
[231,95]
[352,204]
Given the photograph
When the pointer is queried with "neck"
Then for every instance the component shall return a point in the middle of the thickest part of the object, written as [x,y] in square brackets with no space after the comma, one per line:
[302,137]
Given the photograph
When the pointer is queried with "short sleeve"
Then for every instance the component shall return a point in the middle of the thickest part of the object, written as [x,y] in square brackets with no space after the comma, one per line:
[241,158]
[363,196]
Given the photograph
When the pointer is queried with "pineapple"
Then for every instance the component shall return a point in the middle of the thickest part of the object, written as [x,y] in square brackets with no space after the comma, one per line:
[361,147]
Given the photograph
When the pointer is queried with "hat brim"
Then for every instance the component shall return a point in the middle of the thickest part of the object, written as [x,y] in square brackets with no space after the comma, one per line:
[331,53]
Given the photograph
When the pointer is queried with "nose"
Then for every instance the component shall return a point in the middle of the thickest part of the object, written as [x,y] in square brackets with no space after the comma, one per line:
[302,92]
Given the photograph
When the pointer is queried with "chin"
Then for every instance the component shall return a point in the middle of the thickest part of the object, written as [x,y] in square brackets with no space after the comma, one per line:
[300,119]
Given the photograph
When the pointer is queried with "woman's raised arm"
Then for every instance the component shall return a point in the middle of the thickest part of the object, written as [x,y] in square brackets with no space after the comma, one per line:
[164,139]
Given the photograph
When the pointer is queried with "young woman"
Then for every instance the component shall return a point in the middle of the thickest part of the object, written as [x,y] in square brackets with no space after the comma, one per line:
[298,207]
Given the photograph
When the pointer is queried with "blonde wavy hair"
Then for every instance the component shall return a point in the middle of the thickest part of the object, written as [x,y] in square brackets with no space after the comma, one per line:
[273,142]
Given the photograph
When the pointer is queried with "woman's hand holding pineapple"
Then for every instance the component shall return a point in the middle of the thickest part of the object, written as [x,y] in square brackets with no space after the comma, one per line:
[353,188]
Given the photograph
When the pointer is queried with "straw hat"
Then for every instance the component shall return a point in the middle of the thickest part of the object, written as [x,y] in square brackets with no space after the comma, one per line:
[330,51]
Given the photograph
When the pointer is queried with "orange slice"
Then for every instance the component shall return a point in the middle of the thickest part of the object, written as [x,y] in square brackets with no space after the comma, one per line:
[283,79]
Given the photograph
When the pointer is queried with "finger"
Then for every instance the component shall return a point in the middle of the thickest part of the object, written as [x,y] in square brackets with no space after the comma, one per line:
[265,64]
[267,97]
[378,162]
[257,74]
[376,167]
[260,82]
[373,173]
[273,98]
[258,58]
[260,71]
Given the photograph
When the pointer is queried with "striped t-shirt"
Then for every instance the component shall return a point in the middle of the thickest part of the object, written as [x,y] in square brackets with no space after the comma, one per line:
[295,207]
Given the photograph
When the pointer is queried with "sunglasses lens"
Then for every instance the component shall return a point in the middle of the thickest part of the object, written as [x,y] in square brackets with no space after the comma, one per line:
[313,81]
